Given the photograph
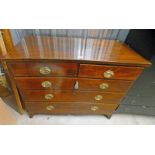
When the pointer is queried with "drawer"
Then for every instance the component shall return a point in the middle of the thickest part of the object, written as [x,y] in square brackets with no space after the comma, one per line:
[63,108]
[109,72]
[69,83]
[104,85]
[71,96]
[45,82]
[43,69]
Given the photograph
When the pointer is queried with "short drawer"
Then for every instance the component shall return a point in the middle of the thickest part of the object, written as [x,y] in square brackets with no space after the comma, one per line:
[63,108]
[43,69]
[71,96]
[109,72]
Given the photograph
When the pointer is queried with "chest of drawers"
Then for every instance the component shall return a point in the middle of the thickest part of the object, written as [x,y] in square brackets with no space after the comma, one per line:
[60,81]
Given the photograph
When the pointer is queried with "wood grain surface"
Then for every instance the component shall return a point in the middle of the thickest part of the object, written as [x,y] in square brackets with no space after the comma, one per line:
[120,72]
[33,69]
[76,49]
[70,96]
[84,109]
[67,83]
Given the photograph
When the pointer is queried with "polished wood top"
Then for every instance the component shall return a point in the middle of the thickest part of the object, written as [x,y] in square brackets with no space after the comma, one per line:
[86,50]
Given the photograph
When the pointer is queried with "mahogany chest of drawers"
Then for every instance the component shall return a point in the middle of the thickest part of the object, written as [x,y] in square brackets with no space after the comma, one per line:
[61,80]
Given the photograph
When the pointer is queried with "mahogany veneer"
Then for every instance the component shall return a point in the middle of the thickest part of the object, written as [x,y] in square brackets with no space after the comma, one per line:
[63,108]
[72,75]
[66,83]
[70,96]
[32,69]
[120,72]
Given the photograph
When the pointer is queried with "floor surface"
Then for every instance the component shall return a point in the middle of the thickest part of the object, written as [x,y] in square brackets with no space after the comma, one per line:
[116,119]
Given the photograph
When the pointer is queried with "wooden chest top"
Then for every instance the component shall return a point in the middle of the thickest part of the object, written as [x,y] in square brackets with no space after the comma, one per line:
[98,51]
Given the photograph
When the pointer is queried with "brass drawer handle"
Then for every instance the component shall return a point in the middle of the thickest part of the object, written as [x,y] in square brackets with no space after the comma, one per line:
[98,97]
[49,96]
[50,107]
[108,74]
[45,70]
[46,84]
[104,86]
[94,108]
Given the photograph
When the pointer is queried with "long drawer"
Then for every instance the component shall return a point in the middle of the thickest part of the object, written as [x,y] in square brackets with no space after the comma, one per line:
[63,108]
[71,96]
[43,69]
[72,83]
[109,72]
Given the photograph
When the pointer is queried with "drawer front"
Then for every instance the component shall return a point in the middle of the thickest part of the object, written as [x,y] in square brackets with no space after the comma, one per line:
[103,85]
[38,108]
[109,72]
[43,69]
[45,83]
[71,96]
[69,83]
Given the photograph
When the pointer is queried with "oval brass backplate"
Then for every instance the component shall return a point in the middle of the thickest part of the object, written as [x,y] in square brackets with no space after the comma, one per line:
[94,108]
[108,74]
[50,107]
[46,84]
[49,96]
[103,86]
[98,97]
[45,70]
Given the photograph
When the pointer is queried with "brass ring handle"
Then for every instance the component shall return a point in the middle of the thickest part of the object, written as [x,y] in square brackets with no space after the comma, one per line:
[94,108]
[49,96]
[103,86]
[46,84]
[108,74]
[98,97]
[45,70]
[50,107]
